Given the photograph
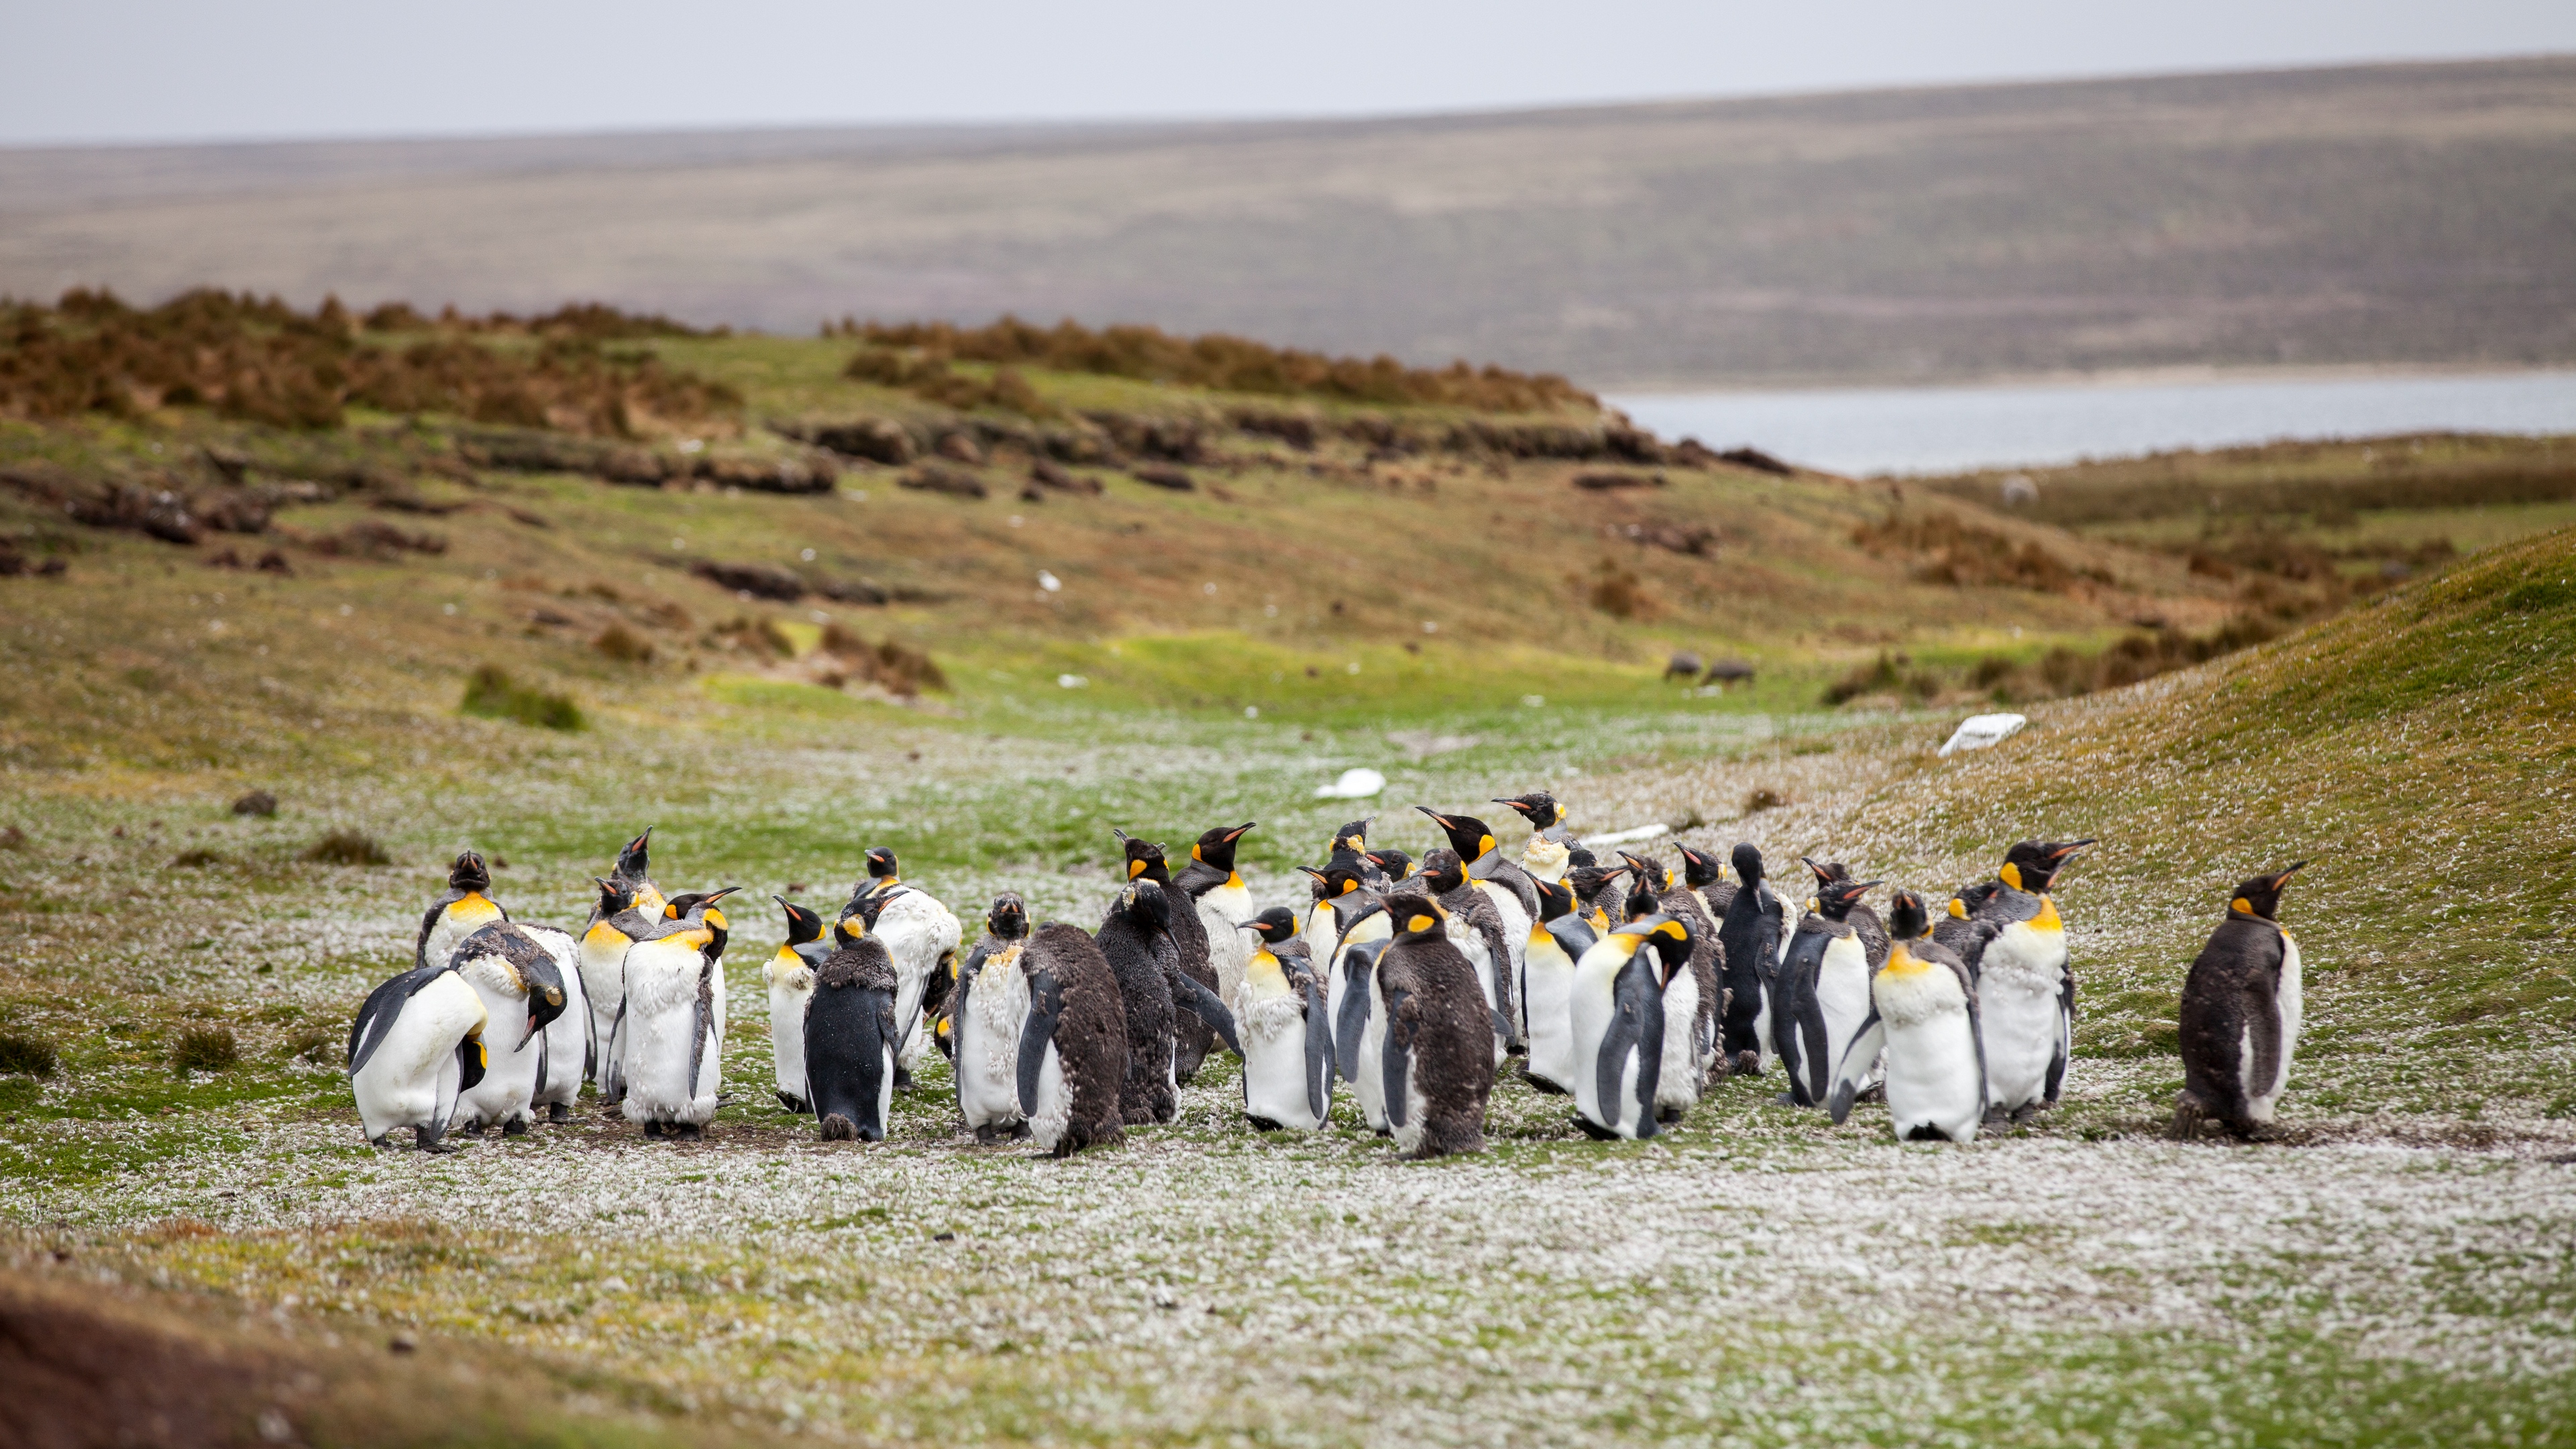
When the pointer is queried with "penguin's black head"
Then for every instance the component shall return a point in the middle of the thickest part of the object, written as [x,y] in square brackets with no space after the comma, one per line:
[1906,918]
[1468,836]
[1144,859]
[615,896]
[1590,881]
[1147,906]
[1970,898]
[2261,896]
[469,873]
[703,906]
[1554,900]
[1670,936]
[1699,868]
[1397,865]
[1416,915]
[883,868]
[1274,925]
[1748,864]
[546,998]
[1334,881]
[1352,837]
[1835,898]
[2034,864]
[802,925]
[1009,918]
[1652,874]
[1826,870]
[1576,856]
[1215,848]
[1537,807]
[1442,872]
[849,931]
[633,862]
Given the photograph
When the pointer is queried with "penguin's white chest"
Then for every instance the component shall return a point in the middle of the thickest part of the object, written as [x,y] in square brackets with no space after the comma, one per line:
[1591,1008]
[791,987]
[1677,1084]
[988,1043]
[510,1079]
[2263,1097]
[2021,1005]
[1223,911]
[1547,987]
[1842,995]
[1271,1024]
[460,920]
[1931,1057]
[662,1035]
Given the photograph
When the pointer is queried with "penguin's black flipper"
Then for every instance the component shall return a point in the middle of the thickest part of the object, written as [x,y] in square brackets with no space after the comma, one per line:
[1642,1001]
[613,1090]
[702,1020]
[1046,1008]
[472,1060]
[377,1017]
[1397,1059]
[1319,1051]
[1626,1034]
[1976,1022]
[1351,1017]
[1192,995]
[1865,1046]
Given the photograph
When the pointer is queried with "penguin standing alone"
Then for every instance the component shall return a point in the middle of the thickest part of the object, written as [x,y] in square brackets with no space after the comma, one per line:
[1073,1051]
[988,1011]
[2025,988]
[1617,1010]
[2240,1015]
[516,978]
[1224,904]
[790,976]
[1750,935]
[416,1044]
[1438,1062]
[850,1036]
[1286,1030]
[1923,1025]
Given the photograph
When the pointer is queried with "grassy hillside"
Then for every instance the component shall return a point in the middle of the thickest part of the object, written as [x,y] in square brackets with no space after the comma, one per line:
[2392,214]
[2399,1276]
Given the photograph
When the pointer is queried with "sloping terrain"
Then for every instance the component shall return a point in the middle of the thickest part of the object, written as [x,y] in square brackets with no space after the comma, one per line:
[2394,214]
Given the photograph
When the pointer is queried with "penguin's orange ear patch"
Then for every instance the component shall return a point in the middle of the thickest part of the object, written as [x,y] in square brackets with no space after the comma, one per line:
[2241,905]
[1420,923]
[1484,843]
[1135,868]
[2011,874]
[1958,909]
[1674,929]
[1349,886]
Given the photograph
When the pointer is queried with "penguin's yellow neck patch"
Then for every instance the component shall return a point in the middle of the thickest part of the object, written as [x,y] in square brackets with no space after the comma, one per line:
[1901,962]
[2047,919]
[1234,880]
[474,907]
[602,934]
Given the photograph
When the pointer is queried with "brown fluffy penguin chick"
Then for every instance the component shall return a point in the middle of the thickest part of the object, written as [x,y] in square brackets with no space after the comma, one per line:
[1439,1056]
[1073,1049]
[1136,940]
[1192,1038]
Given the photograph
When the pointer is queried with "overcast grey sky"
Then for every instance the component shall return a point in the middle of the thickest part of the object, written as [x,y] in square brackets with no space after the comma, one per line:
[148,70]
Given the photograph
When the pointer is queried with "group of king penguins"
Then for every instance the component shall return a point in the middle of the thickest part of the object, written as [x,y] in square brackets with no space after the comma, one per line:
[1622,986]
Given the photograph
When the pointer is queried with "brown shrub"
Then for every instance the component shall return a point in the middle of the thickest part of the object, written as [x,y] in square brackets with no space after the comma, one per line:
[899,670]
[1959,554]
[759,581]
[346,847]
[1617,591]
[624,645]
[206,1049]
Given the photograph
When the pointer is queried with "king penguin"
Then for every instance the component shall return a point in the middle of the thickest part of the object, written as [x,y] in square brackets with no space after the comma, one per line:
[1514,894]
[1224,904]
[1864,921]
[634,871]
[672,1041]
[1193,953]
[568,1061]
[1286,1029]
[466,908]
[850,1037]
[518,980]
[1073,1051]
[1706,874]
[2240,1015]
[1345,913]
[919,935]
[989,1008]
[1922,1026]
[1600,895]
[615,923]
[1135,937]
[1437,1063]
[1548,853]
[1477,926]
[2025,986]
[1693,1000]
[1823,998]
[1750,934]
[790,977]
[1556,942]
[1617,1011]
[416,1045]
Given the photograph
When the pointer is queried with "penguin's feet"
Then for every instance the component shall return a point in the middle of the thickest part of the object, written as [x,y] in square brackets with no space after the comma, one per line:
[1875,1092]
[515,1127]
[1541,1084]
[902,1078]
[1748,1064]
[1261,1124]
[687,1132]
[2027,1111]
[431,1140]
[793,1103]
[992,1132]
[1668,1115]
[1785,1099]
[1595,1130]
[558,1113]
[652,1129]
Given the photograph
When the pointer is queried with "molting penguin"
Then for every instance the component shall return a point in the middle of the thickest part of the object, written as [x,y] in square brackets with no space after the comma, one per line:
[2240,1015]
[1692,1000]
[416,1045]
[1547,854]
[633,870]
[672,1036]
[918,934]
[1865,921]
[1136,939]
[1286,1028]
[850,1036]
[517,979]
[1191,1037]
[1923,1017]
[1750,934]
[466,908]
[1514,894]
[1073,1051]
[1706,874]
[2025,988]
[790,977]
[1556,943]
[1346,913]
[1477,927]
[1437,1065]
[1617,1012]
[1224,905]
[615,923]
[1823,996]
[990,1008]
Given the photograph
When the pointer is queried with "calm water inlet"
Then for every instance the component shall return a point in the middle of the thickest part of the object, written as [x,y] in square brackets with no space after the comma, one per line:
[1942,430]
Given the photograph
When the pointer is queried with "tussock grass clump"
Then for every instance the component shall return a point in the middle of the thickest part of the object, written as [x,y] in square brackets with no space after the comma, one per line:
[895,667]
[206,1049]
[624,645]
[491,693]
[346,847]
[316,1044]
[26,1056]
[197,859]
[258,802]
[1962,555]
[919,352]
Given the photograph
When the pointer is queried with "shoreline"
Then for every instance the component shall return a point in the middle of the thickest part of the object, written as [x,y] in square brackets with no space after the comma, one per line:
[2139,377]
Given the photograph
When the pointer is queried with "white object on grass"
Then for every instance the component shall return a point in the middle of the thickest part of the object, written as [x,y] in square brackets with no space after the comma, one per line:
[1624,837]
[1355,784]
[1979,731]
[1071,681]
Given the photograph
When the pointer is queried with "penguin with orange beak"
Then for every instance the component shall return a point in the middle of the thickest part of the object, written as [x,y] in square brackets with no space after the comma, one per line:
[2241,1006]
[2025,987]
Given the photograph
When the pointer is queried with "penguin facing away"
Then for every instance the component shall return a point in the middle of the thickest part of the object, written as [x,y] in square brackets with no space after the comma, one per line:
[1286,1029]
[850,1038]
[790,978]
[1224,904]
[1750,933]
[466,908]
[416,1045]
[1556,943]
[1617,1011]
[988,1011]
[2016,950]
[516,978]
[1824,994]
[2241,1005]
[1191,1037]
[1923,1027]
[1073,1051]
[1438,1065]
